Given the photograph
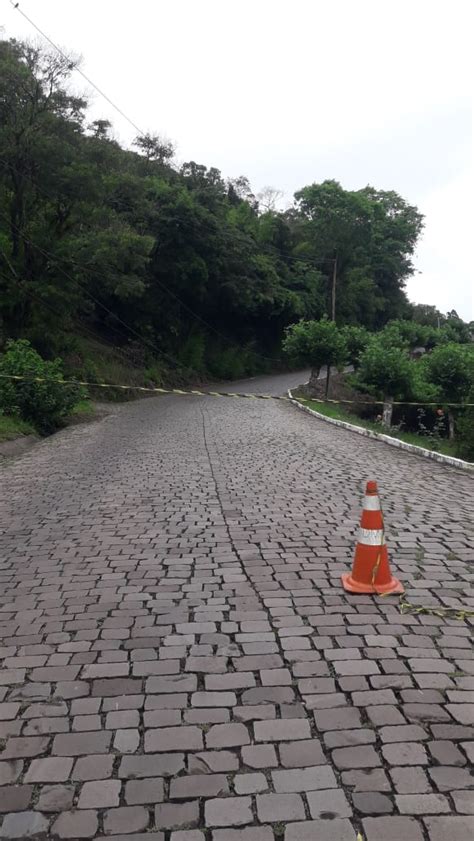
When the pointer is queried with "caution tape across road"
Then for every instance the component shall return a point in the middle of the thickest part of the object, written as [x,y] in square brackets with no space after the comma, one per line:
[148,389]
[443,612]
[199,393]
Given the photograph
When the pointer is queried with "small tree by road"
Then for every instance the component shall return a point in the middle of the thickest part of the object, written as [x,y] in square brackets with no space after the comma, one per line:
[450,368]
[385,372]
[357,339]
[316,343]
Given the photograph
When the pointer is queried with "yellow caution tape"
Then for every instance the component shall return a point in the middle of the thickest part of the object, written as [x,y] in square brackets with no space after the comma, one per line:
[156,390]
[442,612]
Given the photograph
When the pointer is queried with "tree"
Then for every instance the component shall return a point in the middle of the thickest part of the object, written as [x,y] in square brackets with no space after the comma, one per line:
[45,404]
[316,343]
[239,190]
[455,329]
[450,367]
[373,234]
[356,339]
[387,372]
[100,129]
[155,148]
[124,243]
[268,199]
[428,315]
[413,334]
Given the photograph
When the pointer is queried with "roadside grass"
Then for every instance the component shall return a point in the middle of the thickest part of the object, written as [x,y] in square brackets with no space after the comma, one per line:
[83,409]
[13,427]
[332,410]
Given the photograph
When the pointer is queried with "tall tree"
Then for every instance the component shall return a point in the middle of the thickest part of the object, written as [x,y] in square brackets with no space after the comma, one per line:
[372,235]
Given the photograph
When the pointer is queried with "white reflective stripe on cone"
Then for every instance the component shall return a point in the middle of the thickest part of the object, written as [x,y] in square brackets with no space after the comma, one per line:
[371,537]
[371,503]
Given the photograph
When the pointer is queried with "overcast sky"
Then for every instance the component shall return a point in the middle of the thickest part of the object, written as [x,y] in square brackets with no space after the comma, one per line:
[290,93]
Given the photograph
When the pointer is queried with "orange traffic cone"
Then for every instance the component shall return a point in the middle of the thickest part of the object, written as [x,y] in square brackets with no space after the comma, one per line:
[371,570]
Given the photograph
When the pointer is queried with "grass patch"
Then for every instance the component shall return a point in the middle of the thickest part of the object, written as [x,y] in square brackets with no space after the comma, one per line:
[332,410]
[83,409]
[13,427]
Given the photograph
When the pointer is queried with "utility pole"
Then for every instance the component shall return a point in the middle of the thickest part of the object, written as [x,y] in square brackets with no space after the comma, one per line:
[333,295]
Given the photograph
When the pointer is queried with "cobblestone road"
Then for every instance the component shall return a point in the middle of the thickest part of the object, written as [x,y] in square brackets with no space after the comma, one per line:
[180,662]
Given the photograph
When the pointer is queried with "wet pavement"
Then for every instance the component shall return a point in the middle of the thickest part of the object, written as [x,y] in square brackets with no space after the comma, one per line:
[180,662]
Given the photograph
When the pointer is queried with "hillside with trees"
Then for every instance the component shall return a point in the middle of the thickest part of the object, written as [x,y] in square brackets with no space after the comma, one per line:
[176,260]
[132,267]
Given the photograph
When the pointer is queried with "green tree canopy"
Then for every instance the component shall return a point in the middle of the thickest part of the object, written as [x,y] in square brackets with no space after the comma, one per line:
[385,371]
[128,245]
[450,368]
[316,343]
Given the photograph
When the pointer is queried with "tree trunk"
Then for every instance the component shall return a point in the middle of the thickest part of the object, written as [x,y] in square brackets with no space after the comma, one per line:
[328,378]
[450,425]
[313,380]
[387,412]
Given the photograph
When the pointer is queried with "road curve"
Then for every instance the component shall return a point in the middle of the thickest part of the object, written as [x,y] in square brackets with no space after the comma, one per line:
[179,661]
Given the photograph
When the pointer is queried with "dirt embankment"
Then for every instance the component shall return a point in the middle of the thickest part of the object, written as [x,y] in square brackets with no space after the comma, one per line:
[339,389]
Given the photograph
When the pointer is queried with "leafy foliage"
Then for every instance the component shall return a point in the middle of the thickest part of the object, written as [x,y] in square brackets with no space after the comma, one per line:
[316,343]
[356,339]
[373,234]
[98,238]
[450,367]
[44,404]
[385,371]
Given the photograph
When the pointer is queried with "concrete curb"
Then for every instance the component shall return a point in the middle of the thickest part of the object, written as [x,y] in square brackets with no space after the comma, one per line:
[387,439]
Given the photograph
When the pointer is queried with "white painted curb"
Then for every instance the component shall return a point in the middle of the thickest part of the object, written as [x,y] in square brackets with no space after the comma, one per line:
[387,439]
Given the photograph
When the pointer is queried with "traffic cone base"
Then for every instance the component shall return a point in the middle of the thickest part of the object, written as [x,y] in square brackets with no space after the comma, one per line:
[371,569]
[352,586]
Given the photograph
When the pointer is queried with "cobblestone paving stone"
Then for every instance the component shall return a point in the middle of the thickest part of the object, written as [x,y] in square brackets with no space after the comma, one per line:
[179,660]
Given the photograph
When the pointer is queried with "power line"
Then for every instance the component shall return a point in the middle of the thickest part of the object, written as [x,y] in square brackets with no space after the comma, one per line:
[76,67]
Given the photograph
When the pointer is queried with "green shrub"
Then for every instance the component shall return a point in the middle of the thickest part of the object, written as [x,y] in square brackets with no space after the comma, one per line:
[356,339]
[191,353]
[385,370]
[450,367]
[44,404]
[315,343]
[153,376]
[228,364]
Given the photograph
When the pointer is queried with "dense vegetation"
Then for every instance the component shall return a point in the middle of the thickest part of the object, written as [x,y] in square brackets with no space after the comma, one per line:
[135,269]
[406,362]
[199,269]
